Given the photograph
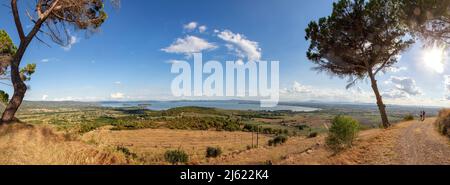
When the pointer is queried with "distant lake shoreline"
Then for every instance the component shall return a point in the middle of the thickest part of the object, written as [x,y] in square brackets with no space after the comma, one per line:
[227,105]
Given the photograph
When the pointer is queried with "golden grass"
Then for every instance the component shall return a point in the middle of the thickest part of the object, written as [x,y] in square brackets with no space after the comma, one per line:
[443,122]
[151,144]
[22,144]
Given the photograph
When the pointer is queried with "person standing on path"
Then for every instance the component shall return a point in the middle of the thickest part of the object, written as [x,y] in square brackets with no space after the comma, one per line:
[423,115]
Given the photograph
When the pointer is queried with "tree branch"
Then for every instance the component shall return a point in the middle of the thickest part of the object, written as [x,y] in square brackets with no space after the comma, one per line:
[17,19]
[42,18]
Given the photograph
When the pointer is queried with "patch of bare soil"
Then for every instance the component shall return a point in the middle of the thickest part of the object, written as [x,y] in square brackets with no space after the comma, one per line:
[419,143]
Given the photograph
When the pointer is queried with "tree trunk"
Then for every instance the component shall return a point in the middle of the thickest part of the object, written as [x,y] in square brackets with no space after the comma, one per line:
[381,106]
[19,86]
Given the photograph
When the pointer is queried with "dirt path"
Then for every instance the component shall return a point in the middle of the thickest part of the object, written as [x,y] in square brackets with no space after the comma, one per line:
[419,143]
[407,143]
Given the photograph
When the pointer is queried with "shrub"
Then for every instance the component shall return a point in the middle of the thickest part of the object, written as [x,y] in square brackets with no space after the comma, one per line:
[126,152]
[408,117]
[268,162]
[213,152]
[302,127]
[176,156]
[267,130]
[280,139]
[313,134]
[249,127]
[342,133]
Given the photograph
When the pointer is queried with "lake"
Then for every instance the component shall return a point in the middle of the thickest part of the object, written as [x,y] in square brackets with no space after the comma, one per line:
[227,105]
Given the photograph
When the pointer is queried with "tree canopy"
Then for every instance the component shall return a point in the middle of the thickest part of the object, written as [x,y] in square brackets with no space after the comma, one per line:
[428,19]
[358,36]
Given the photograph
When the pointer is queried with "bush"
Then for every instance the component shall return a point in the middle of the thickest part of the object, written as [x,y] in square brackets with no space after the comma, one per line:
[267,130]
[126,152]
[408,117]
[443,122]
[280,139]
[250,128]
[176,156]
[302,127]
[313,134]
[342,133]
[213,152]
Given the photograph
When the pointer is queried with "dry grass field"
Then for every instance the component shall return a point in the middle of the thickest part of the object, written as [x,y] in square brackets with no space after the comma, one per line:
[37,145]
[151,144]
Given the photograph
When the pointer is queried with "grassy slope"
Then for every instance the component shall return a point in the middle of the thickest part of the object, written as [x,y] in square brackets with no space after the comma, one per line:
[27,144]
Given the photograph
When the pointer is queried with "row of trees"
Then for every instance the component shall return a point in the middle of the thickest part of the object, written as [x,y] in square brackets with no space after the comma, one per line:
[363,37]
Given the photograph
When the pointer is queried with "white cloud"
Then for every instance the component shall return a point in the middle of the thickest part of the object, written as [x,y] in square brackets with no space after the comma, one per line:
[299,88]
[202,29]
[447,86]
[44,97]
[190,26]
[300,92]
[72,41]
[241,45]
[118,83]
[47,60]
[240,62]
[395,94]
[117,95]
[404,84]
[189,45]
[355,95]
[71,98]
[68,98]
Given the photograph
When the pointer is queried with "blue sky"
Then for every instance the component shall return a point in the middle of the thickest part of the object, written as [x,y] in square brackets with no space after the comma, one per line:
[128,59]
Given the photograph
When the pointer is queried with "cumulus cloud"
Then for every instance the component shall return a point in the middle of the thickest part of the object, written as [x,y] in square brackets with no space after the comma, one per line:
[240,62]
[44,97]
[202,29]
[403,87]
[299,88]
[189,45]
[239,44]
[300,92]
[395,94]
[190,26]
[117,95]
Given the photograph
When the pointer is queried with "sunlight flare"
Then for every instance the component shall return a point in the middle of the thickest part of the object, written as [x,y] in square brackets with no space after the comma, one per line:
[434,58]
